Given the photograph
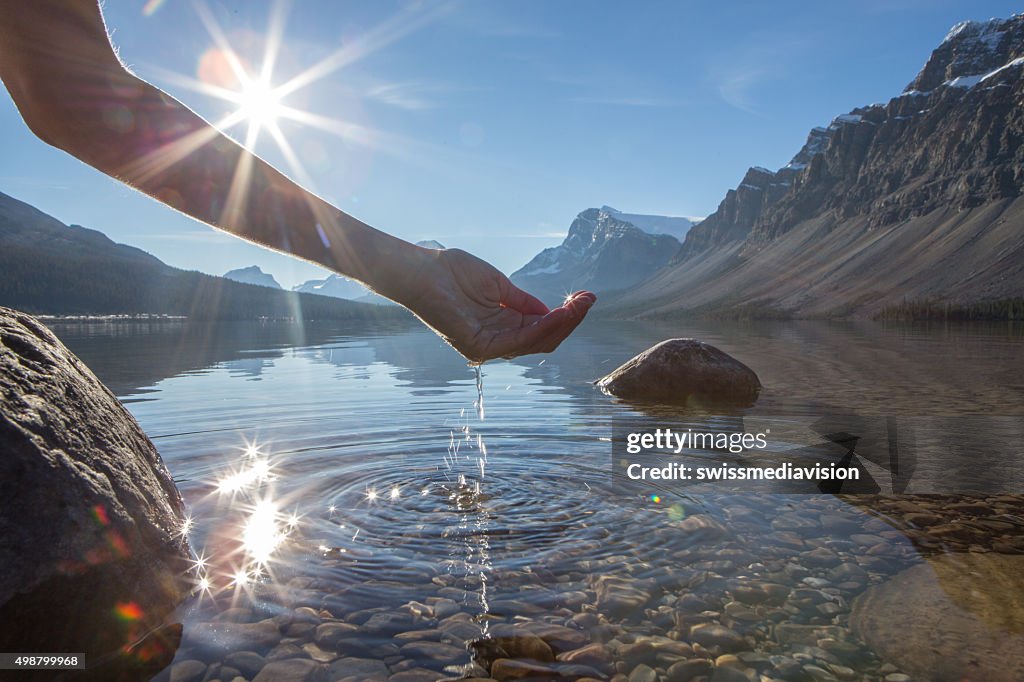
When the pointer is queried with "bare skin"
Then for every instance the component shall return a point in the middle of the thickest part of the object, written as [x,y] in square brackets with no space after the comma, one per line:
[73,92]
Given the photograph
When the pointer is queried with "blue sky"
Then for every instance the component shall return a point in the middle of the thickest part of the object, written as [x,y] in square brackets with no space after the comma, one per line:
[491,124]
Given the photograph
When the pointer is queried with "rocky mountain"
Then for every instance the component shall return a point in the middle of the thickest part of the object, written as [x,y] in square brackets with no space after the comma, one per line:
[252,275]
[47,267]
[339,286]
[915,199]
[602,253]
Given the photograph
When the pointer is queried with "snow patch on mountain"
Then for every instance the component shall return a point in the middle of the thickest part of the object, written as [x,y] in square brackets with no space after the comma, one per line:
[971,81]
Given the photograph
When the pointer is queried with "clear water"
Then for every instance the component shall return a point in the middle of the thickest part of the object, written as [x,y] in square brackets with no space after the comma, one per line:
[356,472]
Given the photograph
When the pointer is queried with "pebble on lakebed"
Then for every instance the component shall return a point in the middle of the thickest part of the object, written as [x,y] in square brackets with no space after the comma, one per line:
[681,371]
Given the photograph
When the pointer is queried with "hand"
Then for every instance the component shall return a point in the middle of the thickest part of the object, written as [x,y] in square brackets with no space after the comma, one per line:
[483,315]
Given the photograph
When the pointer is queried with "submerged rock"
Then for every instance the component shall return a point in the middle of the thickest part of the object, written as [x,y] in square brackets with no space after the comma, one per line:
[956,617]
[683,371]
[90,520]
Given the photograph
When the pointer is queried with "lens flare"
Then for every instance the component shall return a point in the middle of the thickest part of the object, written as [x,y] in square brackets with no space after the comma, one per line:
[262,533]
[199,563]
[128,611]
[240,578]
[256,473]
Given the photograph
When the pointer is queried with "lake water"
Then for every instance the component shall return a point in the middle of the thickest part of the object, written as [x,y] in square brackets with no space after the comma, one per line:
[363,511]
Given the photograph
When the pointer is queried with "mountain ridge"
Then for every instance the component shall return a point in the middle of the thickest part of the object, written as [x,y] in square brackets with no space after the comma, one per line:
[47,267]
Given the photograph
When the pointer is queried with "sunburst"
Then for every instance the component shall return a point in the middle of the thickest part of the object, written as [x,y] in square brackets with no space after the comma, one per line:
[259,102]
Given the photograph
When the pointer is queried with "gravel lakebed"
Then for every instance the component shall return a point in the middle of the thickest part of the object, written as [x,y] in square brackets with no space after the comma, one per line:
[762,591]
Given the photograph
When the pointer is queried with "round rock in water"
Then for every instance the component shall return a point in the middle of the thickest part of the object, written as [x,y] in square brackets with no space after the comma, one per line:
[955,617]
[91,539]
[681,371]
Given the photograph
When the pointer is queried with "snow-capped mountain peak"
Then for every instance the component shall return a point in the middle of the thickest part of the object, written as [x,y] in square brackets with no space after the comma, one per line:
[675,226]
[602,252]
[430,244]
[970,52]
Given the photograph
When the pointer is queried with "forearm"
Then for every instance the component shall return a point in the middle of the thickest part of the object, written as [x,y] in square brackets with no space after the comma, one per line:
[138,134]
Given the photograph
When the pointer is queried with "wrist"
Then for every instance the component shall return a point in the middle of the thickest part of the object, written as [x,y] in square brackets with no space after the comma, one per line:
[412,271]
[391,267]
[394,268]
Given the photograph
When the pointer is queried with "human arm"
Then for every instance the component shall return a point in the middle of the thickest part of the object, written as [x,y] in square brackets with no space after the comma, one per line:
[74,93]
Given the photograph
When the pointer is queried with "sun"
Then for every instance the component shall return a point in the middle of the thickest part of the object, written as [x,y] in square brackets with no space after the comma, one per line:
[259,104]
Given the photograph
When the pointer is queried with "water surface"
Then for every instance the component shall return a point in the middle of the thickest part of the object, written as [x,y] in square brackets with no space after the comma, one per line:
[358,477]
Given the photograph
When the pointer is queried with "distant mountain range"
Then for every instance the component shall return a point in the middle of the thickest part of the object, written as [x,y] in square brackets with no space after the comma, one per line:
[339,286]
[603,252]
[335,286]
[47,267]
[252,275]
[915,203]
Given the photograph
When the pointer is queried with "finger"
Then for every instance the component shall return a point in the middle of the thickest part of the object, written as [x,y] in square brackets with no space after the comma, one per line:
[546,334]
[581,296]
[517,299]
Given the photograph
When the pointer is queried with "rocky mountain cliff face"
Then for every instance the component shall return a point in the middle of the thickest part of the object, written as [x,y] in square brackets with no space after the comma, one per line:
[916,198]
[739,210]
[601,253]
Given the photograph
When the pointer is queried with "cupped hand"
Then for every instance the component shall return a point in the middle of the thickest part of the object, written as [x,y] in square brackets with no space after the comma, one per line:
[476,309]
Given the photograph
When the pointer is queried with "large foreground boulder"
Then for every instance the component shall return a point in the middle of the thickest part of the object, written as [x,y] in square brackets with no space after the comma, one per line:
[683,371]
[956,617]
[91,544]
